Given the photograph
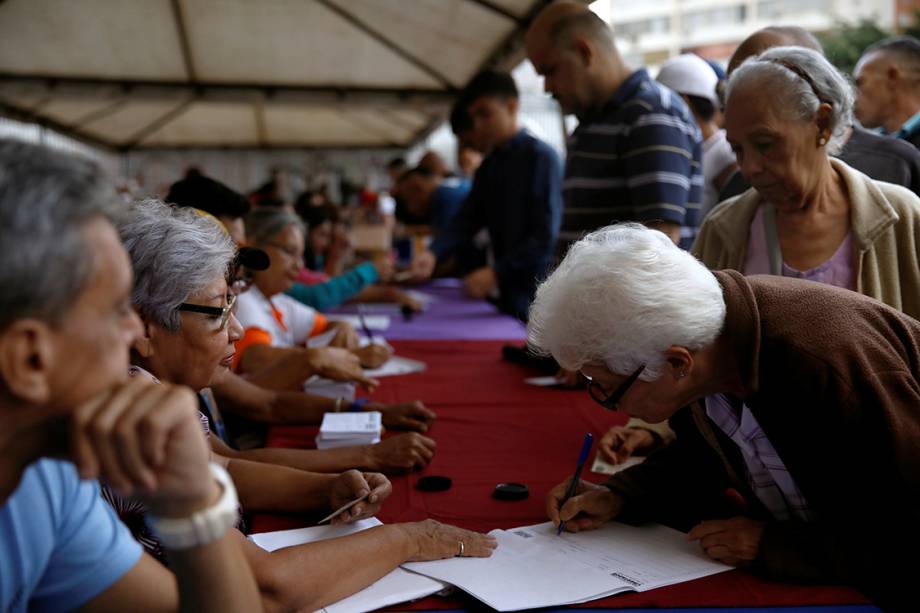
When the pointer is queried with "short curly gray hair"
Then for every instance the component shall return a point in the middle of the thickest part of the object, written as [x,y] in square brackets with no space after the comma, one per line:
[175,253]
[800,80]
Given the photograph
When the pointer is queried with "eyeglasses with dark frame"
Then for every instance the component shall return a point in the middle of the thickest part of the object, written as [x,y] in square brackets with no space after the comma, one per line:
[221,313]
[610,402]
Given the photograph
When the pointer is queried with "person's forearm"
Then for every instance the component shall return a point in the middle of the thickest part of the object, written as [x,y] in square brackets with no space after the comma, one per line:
[241,397]
[270,487]
[310,576]
[277,369]
[315,460]
[215,577]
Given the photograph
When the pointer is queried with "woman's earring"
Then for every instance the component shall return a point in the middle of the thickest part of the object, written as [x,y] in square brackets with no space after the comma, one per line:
[822,141]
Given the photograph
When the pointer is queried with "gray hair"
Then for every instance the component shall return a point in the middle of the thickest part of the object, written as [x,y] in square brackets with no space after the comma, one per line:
[262,225]
[622,296]
[800,80]
[175,253]
[46,200]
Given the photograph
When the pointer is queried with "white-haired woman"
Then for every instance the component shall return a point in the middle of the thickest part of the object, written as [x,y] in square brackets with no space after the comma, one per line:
[808,214]
[795,406]
[181,293]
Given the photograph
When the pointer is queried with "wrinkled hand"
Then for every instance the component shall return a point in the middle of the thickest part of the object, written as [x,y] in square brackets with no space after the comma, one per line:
[408,416]
[433,540]
[351,485]
[591,507]
[145,441]
[339,365]
[423,265]
[620,443]
[734,541]
[481,282]
[401,453]
[345,336]
[373,355]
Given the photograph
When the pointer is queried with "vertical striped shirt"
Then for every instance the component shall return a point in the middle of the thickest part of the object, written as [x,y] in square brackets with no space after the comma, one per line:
[638,158]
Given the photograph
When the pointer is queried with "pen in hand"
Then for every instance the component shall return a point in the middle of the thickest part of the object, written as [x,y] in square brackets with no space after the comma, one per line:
[367,331]
[585,450]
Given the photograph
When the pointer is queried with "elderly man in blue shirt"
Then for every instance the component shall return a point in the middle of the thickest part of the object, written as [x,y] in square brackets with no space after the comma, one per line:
[68,416]
[516,194]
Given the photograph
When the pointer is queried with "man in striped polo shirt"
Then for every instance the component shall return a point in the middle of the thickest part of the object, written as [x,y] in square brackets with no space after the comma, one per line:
[636,154]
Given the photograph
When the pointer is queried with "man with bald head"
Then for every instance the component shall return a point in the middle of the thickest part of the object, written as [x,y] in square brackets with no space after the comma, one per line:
[888,87]
[773,36]
[636,154]
[880,157]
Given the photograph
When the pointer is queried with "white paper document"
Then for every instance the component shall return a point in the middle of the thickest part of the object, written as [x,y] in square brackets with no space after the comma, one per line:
[398,586]
[396,365]
[374,322]
[532,567]
[604,467]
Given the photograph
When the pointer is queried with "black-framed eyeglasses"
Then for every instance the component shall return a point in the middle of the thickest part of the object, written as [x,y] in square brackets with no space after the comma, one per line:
[610,401]
[221,313]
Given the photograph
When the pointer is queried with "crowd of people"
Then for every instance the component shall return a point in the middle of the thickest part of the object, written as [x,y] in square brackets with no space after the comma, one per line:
[728,257]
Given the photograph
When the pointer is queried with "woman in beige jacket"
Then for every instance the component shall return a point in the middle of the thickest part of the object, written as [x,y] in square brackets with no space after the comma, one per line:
[808,215]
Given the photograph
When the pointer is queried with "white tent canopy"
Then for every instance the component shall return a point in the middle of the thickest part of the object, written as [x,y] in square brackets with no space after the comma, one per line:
[149,74]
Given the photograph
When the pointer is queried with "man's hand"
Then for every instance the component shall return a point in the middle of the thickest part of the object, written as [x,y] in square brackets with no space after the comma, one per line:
[401,453]
[590,508]
[481,282]
[145,441]
[339,365]
[620,443]
[409,416]
[373,356]
[351,485]
[422,266]
[734,541]
[345,336]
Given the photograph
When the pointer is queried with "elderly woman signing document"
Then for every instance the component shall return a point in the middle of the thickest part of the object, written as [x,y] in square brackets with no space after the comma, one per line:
[796,407]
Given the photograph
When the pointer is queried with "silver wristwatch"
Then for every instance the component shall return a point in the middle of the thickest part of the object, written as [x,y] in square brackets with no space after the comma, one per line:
[204,526]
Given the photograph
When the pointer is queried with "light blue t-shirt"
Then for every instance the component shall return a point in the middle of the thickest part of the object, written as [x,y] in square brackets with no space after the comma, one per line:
[60,544]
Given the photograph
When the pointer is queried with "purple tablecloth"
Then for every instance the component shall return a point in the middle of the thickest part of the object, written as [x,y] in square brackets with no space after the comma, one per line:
[450,316]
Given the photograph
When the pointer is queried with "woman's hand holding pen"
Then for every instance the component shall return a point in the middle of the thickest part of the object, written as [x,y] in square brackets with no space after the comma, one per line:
[591,507]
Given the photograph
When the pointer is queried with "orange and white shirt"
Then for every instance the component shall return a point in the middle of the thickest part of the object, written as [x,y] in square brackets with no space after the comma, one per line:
[280,321]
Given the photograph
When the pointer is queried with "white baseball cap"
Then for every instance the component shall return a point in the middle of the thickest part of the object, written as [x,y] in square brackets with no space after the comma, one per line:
[689,74]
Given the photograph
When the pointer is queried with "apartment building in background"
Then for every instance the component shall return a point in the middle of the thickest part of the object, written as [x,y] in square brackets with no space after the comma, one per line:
[650,31]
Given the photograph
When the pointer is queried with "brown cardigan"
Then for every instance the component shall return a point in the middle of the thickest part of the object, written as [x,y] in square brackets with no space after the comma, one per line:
[832,378]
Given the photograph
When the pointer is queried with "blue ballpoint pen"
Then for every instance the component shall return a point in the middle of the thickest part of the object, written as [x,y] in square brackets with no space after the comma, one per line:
[585,450]
[367,331]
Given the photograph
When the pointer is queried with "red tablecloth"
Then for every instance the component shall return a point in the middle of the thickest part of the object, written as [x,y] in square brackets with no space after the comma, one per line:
[491,428]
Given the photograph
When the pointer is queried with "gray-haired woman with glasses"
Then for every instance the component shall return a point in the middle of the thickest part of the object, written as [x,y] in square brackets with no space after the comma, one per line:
[796,407]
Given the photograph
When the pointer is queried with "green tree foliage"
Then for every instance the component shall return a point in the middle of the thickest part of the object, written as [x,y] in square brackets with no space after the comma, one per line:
[845,43]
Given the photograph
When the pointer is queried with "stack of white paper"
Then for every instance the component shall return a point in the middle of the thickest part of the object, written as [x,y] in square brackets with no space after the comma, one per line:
[532,567]
[398,586]
[347,429]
